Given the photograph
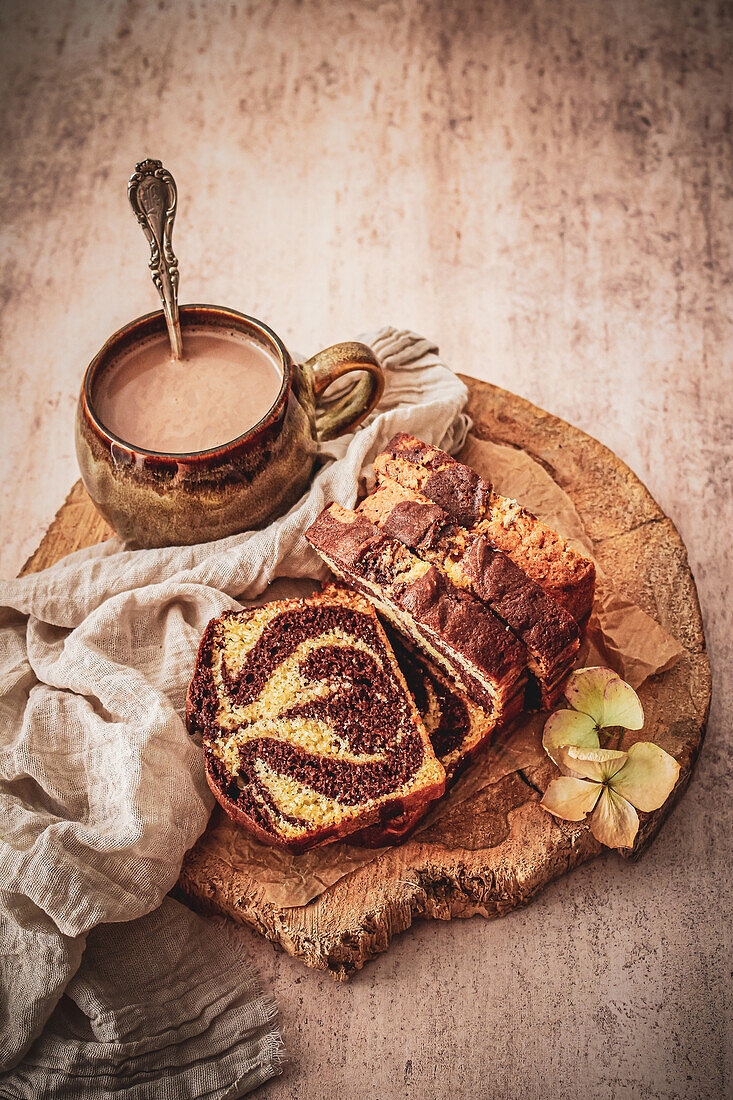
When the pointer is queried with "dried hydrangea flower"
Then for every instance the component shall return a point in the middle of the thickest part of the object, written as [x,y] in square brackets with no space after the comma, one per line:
[611,787]
[599,699]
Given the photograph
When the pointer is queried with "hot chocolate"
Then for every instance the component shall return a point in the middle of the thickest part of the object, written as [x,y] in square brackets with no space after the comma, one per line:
[226,440]
[223,385]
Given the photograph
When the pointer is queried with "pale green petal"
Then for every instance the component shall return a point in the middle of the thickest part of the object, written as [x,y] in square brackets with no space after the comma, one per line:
[648,776]
[586,688]
[571,799]
[621,706]
[568,727]
[615,822]
[597,764]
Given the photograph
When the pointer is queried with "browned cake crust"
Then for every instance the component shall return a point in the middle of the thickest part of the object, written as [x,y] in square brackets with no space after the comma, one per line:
[469,500]
[455,629]
[309,732]
[457,727]
[550,634]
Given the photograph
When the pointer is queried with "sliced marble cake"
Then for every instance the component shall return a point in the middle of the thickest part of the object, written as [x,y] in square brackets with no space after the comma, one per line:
[549,632]
[464,638]
[565,575]
[457,728]
[309,731]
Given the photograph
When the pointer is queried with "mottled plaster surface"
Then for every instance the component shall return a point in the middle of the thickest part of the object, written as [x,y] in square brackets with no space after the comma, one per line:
[545,189]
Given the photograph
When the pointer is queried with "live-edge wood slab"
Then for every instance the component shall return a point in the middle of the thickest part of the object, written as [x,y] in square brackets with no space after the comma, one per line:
[498,849]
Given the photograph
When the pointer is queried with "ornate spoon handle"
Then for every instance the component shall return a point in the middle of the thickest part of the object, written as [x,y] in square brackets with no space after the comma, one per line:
[153,197]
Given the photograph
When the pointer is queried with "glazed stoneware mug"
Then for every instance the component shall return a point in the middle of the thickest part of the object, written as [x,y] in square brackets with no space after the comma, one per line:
[159,499]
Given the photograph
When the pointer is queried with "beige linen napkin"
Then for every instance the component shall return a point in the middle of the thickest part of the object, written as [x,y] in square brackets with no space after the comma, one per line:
[102,791]
[126,1023]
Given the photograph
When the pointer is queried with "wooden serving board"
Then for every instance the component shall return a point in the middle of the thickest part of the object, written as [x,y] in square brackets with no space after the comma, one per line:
[495,851]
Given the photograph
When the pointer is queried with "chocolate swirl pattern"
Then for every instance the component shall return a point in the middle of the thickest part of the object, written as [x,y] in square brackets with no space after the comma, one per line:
[469,561]
[457,728]
[451,626]
[309,731]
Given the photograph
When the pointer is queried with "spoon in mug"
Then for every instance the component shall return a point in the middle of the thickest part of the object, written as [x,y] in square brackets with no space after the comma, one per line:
[153,197]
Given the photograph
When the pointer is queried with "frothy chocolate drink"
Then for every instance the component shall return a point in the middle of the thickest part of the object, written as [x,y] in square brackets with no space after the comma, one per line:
[224,385]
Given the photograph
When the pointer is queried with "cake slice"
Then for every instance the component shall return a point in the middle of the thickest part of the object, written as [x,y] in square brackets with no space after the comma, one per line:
[457,728]
[455,629]
[469,500]
[550,634]
[309,731]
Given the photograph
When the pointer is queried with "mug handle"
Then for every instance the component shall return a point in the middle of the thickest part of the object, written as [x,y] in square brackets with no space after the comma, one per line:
[346,412]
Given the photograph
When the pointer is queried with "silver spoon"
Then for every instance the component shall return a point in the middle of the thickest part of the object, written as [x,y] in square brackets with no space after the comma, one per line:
[153,196]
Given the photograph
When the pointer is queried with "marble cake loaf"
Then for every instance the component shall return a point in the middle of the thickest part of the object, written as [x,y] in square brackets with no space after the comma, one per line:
[455,629]
[565,575]
[550,634]
[457,728]
[309,732]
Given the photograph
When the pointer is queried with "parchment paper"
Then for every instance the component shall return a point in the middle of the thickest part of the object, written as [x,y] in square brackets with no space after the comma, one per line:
[619,635]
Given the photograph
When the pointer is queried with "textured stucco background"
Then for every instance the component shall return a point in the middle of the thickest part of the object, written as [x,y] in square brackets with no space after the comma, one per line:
[546,189]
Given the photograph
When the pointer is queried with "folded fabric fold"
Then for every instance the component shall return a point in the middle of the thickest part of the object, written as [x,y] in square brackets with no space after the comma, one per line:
[187,1019]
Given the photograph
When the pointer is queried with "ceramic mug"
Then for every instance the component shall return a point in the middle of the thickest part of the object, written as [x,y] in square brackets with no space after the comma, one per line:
[156,499]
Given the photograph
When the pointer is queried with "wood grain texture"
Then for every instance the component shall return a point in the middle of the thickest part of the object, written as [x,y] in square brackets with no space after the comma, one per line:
[495,851]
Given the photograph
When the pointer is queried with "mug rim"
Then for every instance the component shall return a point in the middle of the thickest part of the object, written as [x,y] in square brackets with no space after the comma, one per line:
[239,321]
